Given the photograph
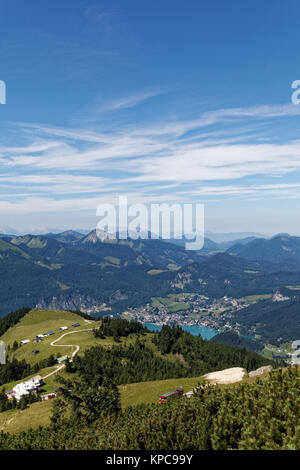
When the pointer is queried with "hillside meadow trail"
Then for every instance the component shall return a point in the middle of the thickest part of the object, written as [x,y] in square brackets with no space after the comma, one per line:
[77,348]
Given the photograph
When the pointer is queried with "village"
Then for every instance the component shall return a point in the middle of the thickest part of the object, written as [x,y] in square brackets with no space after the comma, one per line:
[190,310]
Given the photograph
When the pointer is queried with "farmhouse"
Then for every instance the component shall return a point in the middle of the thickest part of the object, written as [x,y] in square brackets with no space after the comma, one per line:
[25,388]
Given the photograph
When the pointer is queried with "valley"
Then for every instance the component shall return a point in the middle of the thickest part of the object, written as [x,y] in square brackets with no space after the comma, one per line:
[154,281]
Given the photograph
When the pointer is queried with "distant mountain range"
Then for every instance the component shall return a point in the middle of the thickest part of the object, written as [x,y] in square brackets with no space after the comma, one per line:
[70,270]
[215,236]
[232,236]
[282,248]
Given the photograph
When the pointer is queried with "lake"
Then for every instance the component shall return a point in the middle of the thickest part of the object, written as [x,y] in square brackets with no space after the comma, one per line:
[195,330]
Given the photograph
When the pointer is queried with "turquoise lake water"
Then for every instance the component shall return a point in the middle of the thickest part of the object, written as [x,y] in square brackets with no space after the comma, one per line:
[204,331]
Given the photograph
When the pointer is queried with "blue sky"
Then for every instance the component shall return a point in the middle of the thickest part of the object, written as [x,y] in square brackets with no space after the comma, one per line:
[161,101]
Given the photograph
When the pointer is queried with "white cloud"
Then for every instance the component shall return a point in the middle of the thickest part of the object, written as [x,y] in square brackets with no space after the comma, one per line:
[173,160]
[128,101]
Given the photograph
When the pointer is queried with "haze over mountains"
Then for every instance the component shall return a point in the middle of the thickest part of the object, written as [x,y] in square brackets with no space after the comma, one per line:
[75,271]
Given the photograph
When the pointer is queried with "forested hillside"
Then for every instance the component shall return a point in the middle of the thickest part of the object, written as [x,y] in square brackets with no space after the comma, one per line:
[84,273]
[232,339]
[281,248]
[202,355]
[273,321]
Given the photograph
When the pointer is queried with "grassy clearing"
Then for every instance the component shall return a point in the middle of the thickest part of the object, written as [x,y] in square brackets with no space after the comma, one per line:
[153,272]
[159,301]
[198,315]
[173,267]
[38,322]
[251,299]
[148,392]
[38,414]
[112,259]
[168,302]
[177,306]
[86,339]
[266,352]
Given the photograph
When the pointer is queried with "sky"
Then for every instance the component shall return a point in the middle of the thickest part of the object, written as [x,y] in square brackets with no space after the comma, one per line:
[174,101]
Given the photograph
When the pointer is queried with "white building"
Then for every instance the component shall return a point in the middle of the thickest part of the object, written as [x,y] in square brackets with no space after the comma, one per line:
[25,388]
[63,328]
[25,341]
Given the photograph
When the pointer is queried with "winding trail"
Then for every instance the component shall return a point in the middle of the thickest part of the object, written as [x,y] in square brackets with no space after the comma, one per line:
[77,347]
[54,372]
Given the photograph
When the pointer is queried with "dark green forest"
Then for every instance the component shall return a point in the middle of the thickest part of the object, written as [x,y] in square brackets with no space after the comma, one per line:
[233,339]
[272,320]
[118,327]
[11,319]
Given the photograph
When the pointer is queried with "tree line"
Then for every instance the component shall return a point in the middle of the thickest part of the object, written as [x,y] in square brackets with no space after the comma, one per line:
[12,318]
[118,327]
[204,356]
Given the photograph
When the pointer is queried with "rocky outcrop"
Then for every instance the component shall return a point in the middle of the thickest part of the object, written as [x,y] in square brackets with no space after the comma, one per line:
[74,301]
[260,371]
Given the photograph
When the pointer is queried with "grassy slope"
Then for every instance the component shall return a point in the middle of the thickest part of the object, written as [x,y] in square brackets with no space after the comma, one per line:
[41,321]
[148,392]
[38,414]
[38,321]
[132,394]
[15,421]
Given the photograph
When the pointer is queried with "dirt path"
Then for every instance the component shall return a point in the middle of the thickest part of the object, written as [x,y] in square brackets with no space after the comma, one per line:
[77,347]
[54,372]
[70,345]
